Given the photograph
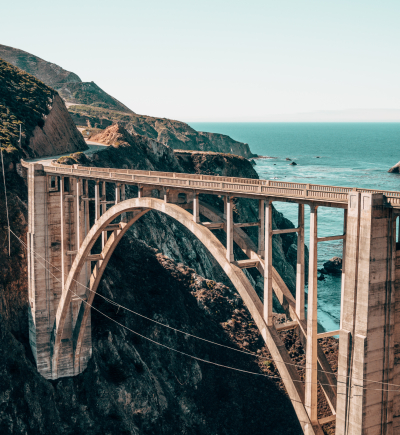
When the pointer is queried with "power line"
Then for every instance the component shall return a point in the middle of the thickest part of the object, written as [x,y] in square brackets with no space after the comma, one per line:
[180,352]
[191,356]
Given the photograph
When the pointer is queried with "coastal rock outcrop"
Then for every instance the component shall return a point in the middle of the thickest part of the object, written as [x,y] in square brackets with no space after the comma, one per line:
[332,266]
[395,169]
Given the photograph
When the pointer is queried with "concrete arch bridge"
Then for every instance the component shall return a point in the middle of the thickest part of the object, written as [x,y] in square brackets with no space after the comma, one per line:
[60,232]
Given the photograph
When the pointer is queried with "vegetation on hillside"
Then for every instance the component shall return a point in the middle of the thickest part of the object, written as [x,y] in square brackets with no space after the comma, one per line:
[175,134]
[88,93]
[23,100]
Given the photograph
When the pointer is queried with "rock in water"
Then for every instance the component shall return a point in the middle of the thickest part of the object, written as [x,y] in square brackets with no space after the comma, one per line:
[333,266]
[395,168]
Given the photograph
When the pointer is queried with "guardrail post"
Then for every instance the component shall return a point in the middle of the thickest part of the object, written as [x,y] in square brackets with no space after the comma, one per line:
[261,229]
[311,390]
[300,265]
[268,264]
[229,229]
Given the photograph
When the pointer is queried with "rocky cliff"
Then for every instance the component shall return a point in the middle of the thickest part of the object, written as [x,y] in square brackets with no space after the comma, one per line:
[91,106]
[46,126]
[175,134]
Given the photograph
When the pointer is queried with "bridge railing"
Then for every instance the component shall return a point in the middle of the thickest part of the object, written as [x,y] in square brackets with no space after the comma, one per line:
[208,182]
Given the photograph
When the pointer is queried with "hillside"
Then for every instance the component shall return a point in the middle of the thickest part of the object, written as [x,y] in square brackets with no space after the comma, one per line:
[68,84]
[25,101]
[91,107]
[176,134]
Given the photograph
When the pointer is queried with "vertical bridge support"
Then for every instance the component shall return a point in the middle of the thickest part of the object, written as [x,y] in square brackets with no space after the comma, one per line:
[366,347]
[56,219]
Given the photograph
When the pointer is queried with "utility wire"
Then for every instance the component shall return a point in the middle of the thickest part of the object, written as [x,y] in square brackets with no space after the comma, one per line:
[186,354]
[183,353]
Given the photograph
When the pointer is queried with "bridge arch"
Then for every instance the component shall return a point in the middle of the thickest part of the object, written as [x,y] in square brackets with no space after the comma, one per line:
[140,206]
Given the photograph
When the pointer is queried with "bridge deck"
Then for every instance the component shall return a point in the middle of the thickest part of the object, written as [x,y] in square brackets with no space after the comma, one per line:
[329,196]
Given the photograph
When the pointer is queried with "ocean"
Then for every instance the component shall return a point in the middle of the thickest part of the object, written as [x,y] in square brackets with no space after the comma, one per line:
[339,154]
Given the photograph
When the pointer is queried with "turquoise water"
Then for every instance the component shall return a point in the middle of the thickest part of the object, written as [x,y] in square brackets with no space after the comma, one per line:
[340,154]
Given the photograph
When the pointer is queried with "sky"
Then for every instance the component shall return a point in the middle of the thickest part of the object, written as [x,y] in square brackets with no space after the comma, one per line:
[223,60]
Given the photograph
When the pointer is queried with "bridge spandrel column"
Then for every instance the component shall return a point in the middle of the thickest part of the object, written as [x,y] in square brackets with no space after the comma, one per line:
[348,309]
[396,356]
[268,301]
[196,209]
[370,405]
[311,390]
[229,229]
[300,275]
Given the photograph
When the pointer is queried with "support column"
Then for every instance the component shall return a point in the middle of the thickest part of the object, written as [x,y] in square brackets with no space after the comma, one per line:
[196,213]
[268,264]
[62,229]
[78,215]
[347,314]
[370,408]
[343,264]
[300,265]
[117,193]
[311,390]
[97,200]
[40,287]
[261,218]
[225,206]
[123,197]
[87,224]
[103,210]
[229,229]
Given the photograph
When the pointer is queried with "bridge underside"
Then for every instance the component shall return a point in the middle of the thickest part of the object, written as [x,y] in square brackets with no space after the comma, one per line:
[64,275]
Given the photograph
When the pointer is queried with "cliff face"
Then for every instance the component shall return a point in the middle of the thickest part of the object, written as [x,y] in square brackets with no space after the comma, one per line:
[129,152]
[175,134]
[46,125]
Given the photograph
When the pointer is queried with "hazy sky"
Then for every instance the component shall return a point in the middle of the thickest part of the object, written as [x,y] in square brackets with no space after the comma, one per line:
[220,60]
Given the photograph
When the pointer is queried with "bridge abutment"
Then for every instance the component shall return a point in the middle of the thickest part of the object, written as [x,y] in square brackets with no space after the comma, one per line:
[366,349]
[55,227]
